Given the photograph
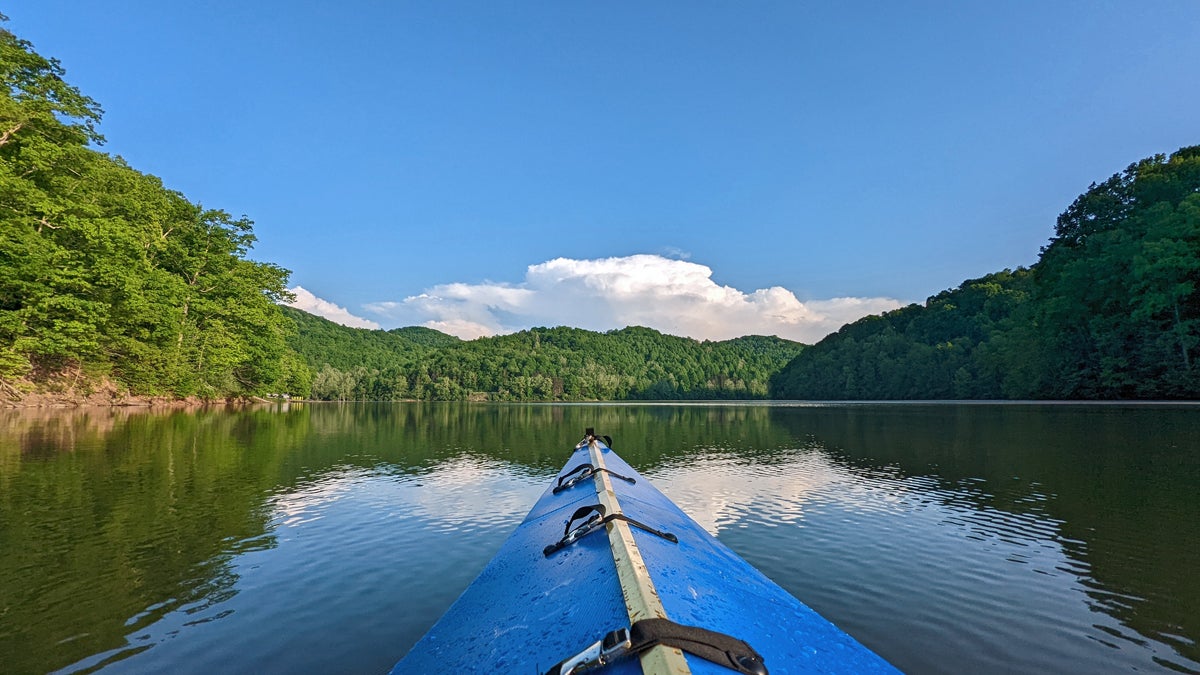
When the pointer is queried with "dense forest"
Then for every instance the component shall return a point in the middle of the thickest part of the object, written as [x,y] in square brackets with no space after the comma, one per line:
[1111,310]
[541,364]
[107,275]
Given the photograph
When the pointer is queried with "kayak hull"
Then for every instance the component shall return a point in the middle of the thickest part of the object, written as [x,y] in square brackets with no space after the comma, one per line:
[527,611]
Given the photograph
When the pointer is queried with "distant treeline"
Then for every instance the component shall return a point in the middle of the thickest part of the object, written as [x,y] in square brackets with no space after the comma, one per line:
[1111,310]
[541,364]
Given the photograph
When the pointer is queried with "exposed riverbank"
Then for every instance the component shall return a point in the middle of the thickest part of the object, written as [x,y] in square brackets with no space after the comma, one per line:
[76,391]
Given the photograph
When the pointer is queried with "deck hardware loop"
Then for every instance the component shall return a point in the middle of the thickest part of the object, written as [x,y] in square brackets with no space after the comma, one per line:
[589,435]
[611,647]
[594,522]
[719,648]
[585,471]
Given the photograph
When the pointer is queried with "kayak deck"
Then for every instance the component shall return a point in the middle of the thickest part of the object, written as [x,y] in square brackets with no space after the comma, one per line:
[527,610]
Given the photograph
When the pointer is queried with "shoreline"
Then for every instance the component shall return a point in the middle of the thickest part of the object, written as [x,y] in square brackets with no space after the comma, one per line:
[27,395]
[43,401]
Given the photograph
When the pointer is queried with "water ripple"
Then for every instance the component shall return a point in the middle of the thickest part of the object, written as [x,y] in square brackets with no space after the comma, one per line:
[879,534]
[328,538]
[314,539]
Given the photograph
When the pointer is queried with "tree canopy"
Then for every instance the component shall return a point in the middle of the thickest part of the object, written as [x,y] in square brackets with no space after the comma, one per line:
[1109,311]
[540,364]
[105,270]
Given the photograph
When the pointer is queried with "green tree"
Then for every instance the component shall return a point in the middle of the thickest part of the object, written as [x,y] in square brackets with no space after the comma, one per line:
[1116,289]
[1111,310]
[45,125]
[104,270]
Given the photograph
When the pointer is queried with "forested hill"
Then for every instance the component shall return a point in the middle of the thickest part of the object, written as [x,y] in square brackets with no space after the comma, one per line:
[541,364]
[1111,310]
[108,277]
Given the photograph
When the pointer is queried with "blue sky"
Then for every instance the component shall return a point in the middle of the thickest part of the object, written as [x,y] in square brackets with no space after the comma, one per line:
[705,168]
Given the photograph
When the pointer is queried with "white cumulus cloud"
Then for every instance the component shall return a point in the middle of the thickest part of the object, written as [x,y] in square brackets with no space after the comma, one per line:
[310,303]
[677,297]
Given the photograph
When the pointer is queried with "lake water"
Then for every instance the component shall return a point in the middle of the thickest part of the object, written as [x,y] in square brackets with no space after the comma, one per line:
[949,538]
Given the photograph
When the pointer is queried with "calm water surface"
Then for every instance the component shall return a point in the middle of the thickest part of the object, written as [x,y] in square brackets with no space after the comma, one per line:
[327,538]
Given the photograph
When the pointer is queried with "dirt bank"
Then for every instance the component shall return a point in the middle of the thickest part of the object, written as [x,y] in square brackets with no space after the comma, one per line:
[69,391]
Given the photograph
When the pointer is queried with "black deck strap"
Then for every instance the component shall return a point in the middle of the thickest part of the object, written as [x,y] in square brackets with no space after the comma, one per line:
[614,474]
[594,522]
[709,645]
[642,526]
[582,512]
[719,648]
[571,535]
[587,472]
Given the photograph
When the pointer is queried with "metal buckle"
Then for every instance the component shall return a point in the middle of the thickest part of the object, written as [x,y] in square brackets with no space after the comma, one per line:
[574,480]
[580,530]
[613,646]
